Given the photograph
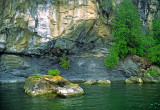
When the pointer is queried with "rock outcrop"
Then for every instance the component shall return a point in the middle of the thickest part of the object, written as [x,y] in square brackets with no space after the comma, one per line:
[35,32]
[48,84]
[151,75]
[50,27]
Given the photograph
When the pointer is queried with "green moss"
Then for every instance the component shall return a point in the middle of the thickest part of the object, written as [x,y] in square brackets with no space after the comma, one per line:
[54,72]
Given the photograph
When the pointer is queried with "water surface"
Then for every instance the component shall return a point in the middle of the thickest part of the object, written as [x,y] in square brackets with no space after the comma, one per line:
[117,96]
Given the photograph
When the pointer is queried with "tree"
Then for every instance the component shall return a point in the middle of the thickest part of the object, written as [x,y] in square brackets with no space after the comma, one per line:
[127,34]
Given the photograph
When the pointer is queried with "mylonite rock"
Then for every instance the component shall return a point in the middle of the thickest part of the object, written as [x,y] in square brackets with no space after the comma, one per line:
[49,84]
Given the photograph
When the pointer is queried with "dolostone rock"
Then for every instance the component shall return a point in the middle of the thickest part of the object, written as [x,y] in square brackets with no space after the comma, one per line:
[49,84]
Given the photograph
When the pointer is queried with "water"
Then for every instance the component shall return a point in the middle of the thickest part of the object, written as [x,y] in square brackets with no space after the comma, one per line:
[118,96]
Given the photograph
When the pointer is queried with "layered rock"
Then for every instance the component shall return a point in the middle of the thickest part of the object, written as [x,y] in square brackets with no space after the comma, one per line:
[47,28]
[54,26]
[48,84]
[146,77]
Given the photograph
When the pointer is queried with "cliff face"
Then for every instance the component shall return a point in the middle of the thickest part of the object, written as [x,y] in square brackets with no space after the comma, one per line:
[50,27]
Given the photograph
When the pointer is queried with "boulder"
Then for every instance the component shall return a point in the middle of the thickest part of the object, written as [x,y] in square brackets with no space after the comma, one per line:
[134,79]
[147,78]
[155,69]
[104,82]
[49,84]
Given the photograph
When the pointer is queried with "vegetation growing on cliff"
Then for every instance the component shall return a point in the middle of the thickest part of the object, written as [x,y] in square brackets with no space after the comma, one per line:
[128,38]
[64,63]
[153,52]
[54,72]
[127,34]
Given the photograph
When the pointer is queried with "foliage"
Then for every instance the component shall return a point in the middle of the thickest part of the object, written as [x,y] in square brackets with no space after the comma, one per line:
[64,63]
[112,60]
[36,74]
[151,44]
[156,30]
[152,73]
[54,72]
[102,4]
[127,34]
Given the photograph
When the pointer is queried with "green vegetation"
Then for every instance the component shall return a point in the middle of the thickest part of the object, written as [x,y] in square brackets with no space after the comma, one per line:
[153,44]
[64,63]
[152,73]
[127,34]
[36,74]
[54,72]
[102,4]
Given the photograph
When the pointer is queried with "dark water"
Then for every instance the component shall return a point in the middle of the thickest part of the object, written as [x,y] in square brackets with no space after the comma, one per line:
[118,96]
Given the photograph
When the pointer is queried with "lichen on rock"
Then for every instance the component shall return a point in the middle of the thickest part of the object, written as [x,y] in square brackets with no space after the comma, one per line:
[49,84]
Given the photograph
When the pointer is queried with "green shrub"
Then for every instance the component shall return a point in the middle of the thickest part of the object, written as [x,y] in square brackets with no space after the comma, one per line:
[36,74]
[54,72]
[112,60]
[157,73]
[150,72]
[64,63]
[151,44]
[103,4]
[156,30]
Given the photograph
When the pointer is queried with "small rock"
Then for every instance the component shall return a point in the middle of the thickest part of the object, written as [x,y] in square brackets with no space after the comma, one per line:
[134,79]
[89,82]
[104,82]
[128,81]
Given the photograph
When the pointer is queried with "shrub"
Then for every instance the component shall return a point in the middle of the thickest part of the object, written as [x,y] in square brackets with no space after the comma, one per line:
[156,30]
[54,72]
[64,63]
[151,44]
[150,72]
[103,4]
[36,74]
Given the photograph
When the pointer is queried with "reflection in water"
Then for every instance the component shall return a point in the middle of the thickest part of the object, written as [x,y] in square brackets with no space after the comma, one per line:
[117,96]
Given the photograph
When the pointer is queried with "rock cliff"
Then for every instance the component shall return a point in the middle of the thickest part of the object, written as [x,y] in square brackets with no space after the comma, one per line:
[52,27]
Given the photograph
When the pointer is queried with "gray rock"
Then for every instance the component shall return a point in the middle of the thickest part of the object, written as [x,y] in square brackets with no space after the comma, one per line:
[128,66]
[134,79]
[148,78]
[14,61]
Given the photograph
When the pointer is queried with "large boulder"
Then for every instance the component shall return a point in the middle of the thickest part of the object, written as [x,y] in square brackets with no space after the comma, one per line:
[149,79]
[49,84]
